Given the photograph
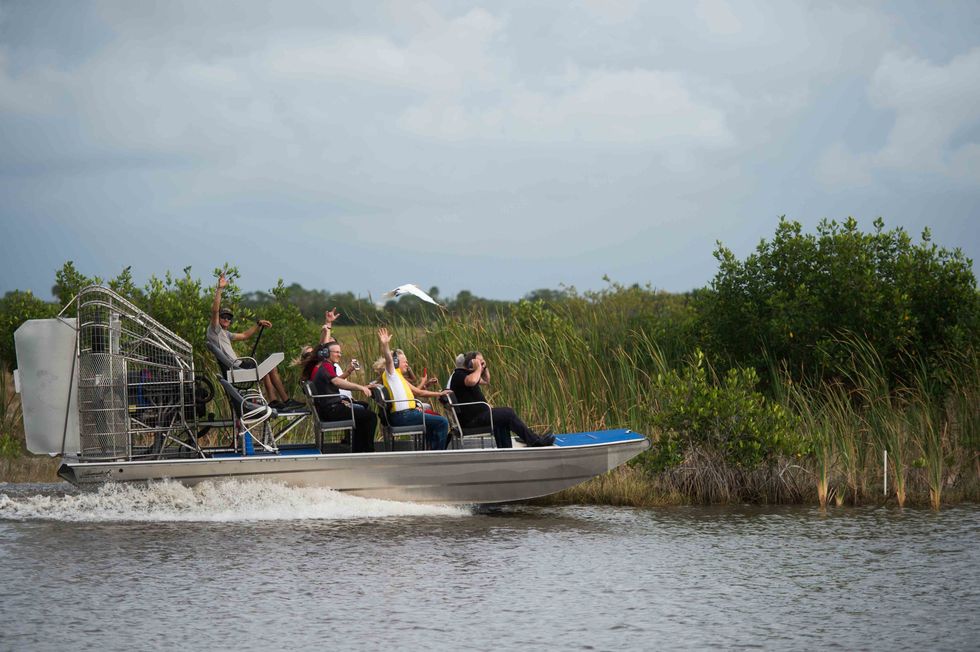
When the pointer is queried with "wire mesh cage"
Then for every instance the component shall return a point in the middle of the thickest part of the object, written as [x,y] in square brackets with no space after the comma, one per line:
[135,382]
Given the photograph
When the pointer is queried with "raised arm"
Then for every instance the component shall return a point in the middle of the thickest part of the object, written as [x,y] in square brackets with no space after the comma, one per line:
[216,304]
[385,338]
[326,332]
[476,375]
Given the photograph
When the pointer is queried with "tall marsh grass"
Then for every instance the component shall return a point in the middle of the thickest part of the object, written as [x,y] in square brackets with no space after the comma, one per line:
[11,421]
[15,464]
[578,367]
[927,426]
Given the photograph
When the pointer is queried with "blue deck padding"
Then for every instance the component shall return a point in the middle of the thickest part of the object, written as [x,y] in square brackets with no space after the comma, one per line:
[598,437]
[282,453]
[299,451]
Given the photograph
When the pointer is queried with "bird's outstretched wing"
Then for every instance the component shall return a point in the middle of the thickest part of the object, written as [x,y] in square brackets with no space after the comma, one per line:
[409,288]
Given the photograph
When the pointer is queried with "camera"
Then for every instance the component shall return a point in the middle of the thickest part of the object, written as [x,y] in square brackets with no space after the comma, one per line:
[354,363]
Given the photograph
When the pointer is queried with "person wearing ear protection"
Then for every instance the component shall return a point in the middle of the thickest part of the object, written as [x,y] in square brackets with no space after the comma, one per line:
[307,352]
[321,368]
[471,372]
[406,411]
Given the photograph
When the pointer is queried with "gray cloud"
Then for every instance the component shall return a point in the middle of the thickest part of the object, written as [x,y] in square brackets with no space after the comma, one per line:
[497,147]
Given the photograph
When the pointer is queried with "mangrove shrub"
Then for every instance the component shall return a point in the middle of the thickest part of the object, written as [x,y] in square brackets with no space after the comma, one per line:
[694,409]
[792,299]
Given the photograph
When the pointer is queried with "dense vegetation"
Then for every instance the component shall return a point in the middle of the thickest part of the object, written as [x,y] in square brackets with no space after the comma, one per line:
[786,379]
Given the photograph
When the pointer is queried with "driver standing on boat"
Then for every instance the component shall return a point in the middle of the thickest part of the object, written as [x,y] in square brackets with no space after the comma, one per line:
[219,336]
[471,372]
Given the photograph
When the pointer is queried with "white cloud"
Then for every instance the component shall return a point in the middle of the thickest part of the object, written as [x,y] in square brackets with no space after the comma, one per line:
[929,104]
[601,107]
[612,12]
[447,54]
[839,167]
[718,16]
[39,92]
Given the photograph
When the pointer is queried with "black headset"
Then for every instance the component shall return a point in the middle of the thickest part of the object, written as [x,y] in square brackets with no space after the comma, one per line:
[324,353]
[394,359]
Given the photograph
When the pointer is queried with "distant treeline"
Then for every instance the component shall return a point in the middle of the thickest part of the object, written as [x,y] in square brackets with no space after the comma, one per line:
[360,310]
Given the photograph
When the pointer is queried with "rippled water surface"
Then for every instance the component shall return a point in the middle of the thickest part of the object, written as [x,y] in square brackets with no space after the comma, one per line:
[259,566]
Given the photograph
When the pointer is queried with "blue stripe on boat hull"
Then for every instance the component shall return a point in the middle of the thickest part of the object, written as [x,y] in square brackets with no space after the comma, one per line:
[598,437]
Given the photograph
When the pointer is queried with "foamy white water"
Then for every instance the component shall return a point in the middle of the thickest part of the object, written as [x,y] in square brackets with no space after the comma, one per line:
[226,501]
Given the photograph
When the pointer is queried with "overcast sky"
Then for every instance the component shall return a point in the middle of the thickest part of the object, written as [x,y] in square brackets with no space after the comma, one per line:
[497,147]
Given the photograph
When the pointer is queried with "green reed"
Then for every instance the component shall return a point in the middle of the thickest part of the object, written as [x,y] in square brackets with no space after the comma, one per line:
[927,426]
[11,419]
[602,362]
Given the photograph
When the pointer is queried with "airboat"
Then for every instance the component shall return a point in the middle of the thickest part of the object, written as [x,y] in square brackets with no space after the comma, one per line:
[115,395]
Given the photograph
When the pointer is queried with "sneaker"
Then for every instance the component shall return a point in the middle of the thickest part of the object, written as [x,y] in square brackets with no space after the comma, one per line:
[295,404]
[276,405]
[546,440]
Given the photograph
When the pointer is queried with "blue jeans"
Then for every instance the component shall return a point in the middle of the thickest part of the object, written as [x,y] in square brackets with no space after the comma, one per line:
[436,427]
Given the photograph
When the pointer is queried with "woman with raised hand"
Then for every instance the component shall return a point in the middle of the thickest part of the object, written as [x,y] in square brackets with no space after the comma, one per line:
[405,410]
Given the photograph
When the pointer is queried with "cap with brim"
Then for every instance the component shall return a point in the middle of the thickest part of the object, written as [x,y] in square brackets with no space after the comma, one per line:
[226,314]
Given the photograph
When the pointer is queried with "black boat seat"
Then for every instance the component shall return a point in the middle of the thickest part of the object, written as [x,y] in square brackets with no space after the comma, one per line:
[344,442]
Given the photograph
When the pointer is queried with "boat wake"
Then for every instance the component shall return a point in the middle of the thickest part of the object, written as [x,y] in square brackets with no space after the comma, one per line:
[226,501]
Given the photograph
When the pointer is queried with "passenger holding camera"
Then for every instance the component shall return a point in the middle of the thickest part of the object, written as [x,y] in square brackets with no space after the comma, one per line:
[326,335]
[321,368]
[471,372]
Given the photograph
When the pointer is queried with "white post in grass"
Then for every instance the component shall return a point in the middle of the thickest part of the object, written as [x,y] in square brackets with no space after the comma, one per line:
[886,472]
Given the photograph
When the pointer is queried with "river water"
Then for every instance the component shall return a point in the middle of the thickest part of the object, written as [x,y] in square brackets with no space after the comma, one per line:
[258,566]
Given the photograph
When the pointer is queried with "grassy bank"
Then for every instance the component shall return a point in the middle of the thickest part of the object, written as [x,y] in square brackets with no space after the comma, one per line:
[29,468]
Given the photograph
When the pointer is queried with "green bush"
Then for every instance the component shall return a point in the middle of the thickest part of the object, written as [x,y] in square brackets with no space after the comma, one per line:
[10,446]
[16,307]
[695,409]
[793,298]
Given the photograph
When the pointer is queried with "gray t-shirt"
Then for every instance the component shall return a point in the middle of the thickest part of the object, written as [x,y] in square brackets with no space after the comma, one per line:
[217,336]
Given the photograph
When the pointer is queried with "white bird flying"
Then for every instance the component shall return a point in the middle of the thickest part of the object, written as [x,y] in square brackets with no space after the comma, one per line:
[408,288]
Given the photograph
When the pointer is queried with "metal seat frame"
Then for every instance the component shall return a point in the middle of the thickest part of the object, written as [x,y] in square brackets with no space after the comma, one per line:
[250,410]
[462,435]
[389,433]
[228,366]
[321,427]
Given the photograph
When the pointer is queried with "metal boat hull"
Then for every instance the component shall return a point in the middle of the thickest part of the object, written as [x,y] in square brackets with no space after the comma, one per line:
[449,477]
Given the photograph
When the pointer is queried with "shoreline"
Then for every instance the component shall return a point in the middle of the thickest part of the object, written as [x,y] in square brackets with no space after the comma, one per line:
[625,486]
